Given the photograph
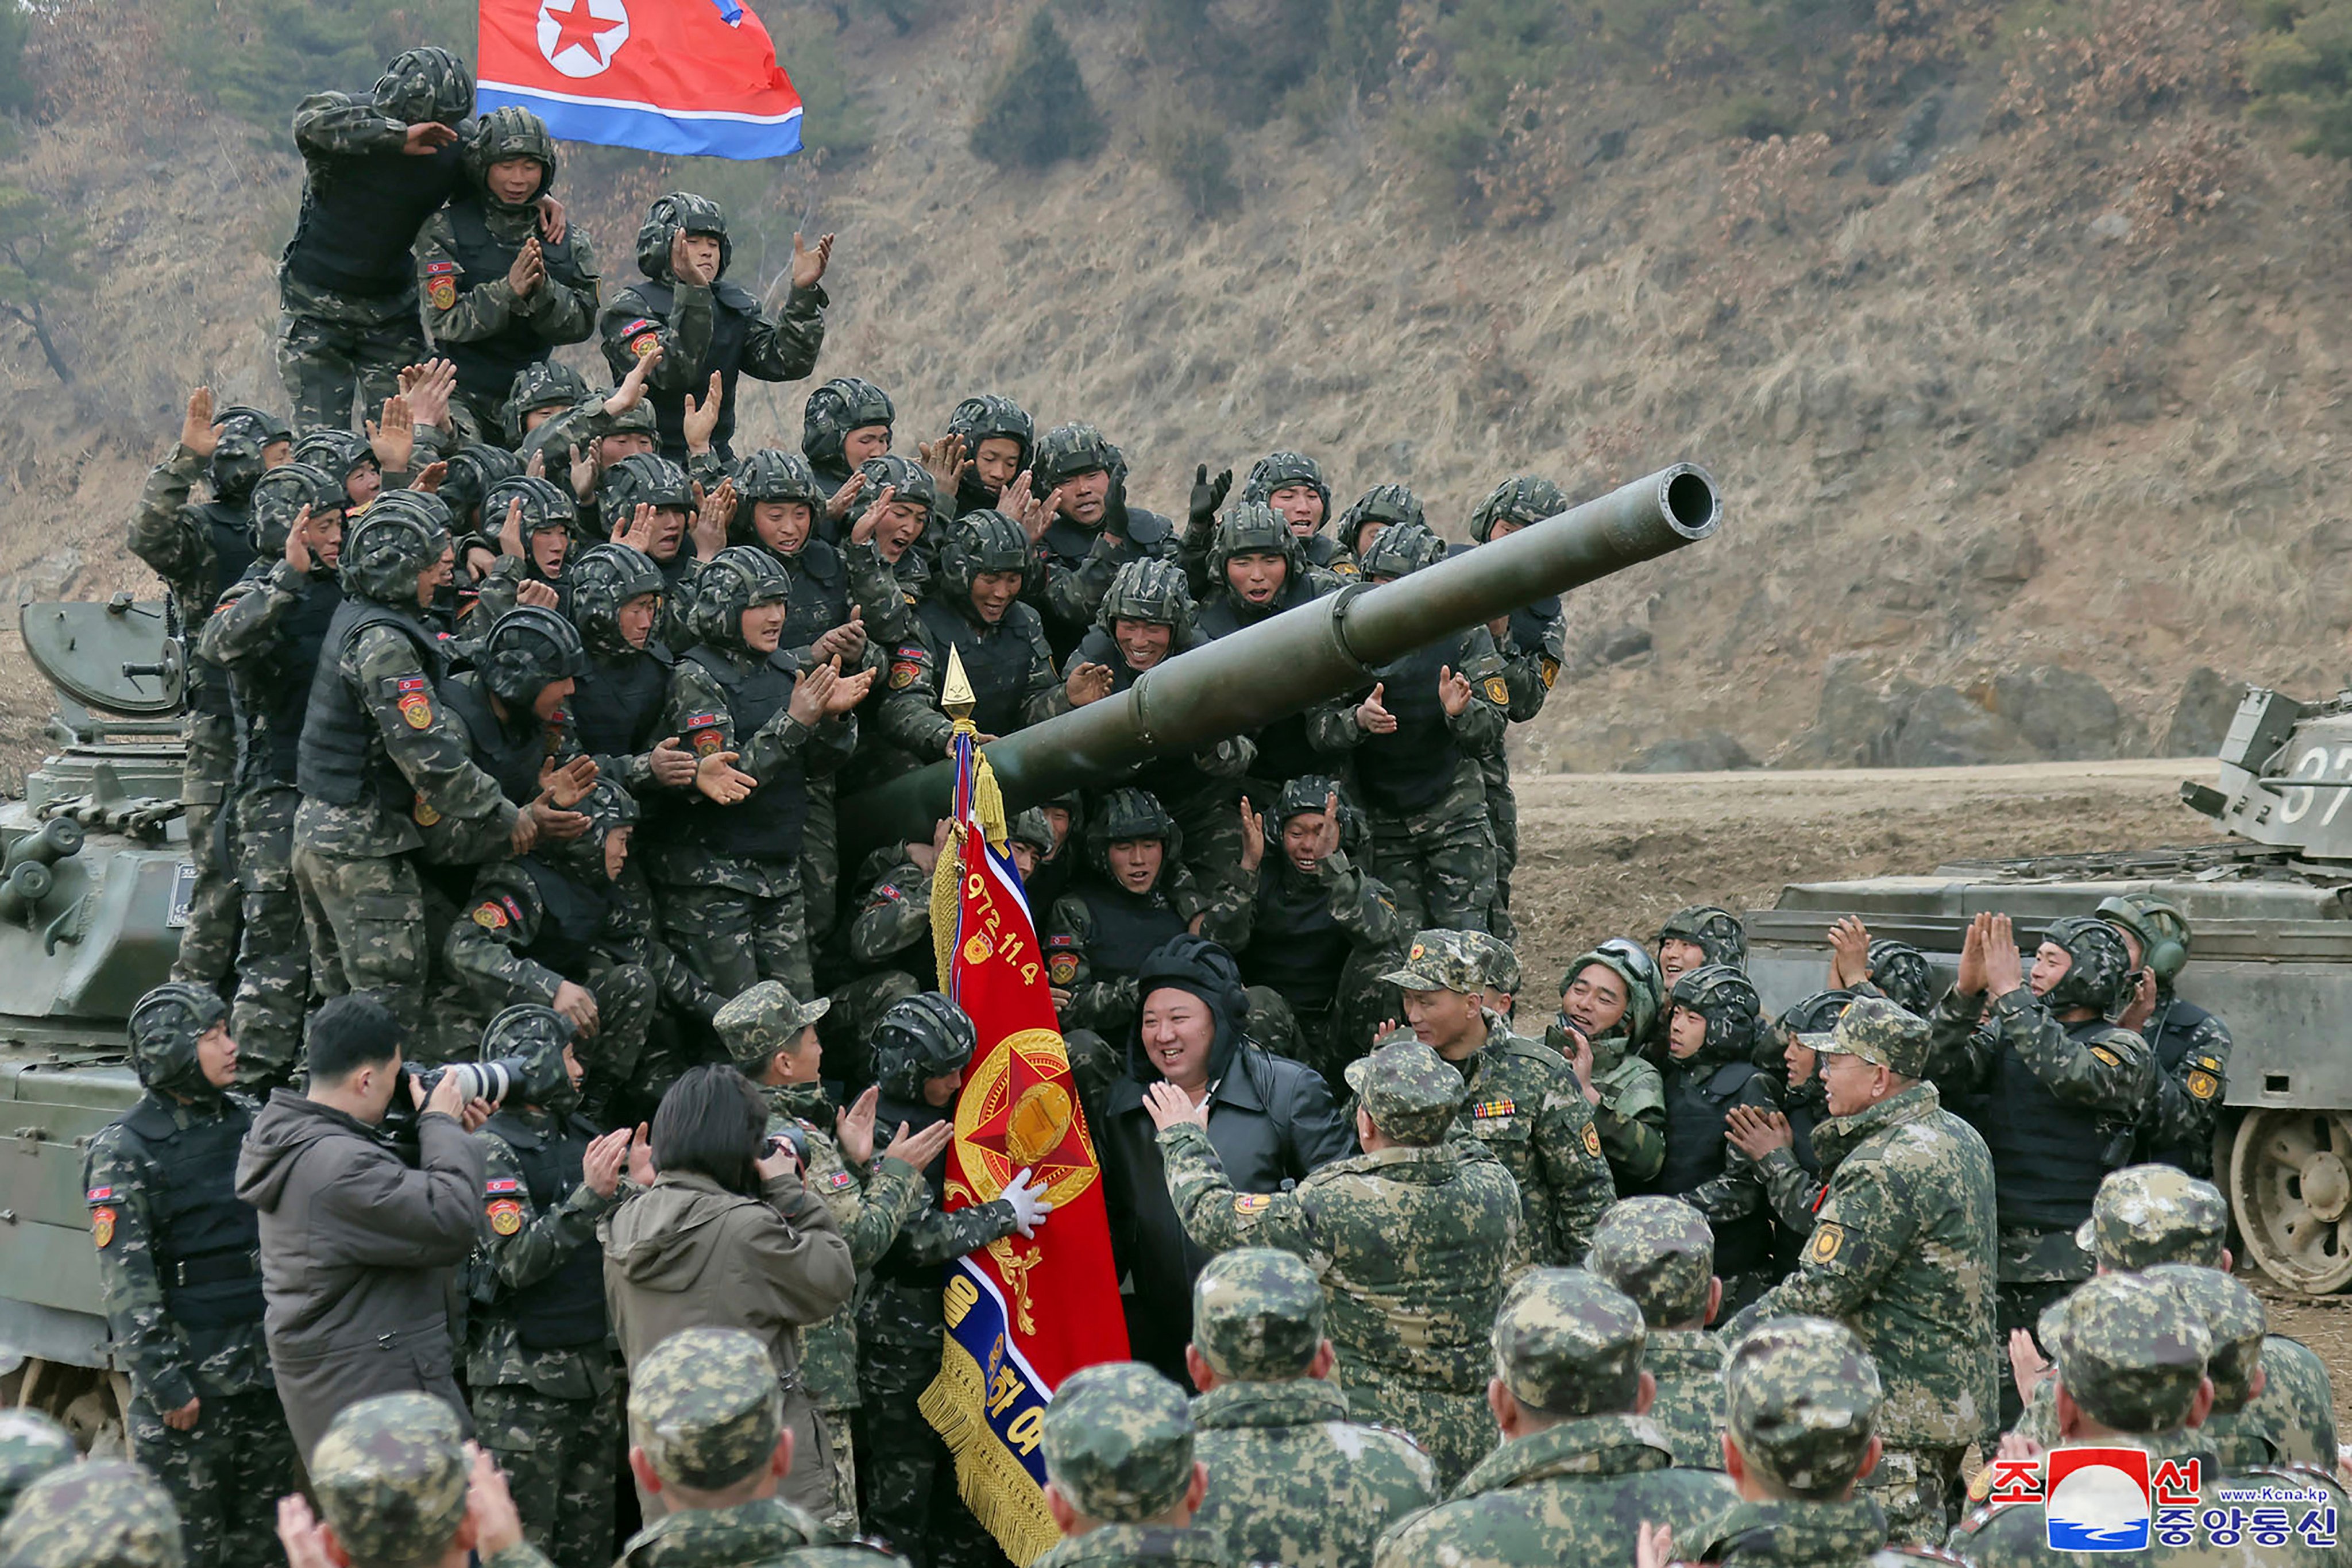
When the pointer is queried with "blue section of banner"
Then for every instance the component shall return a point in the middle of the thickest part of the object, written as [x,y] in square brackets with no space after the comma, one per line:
[1014,1403]
[637,125]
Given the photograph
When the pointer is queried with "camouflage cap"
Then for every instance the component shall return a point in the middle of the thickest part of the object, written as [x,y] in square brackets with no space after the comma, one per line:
[1879,1032]
[1801,1397]
[1569,1343]
[1660,1252]
[1439,961]
[2146,1214]
[391,1477]
[1119,1443]
[104,1514]
[1410,1091]
[2130,1351]
[1496,962]
[31,1445]
[757,1024]
[706,1407]
[2236,1319]
[1257,1315]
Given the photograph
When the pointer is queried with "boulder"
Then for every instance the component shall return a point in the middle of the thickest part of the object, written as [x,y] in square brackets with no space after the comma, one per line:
[1855,725]
[2064,715]
[1711,752]
[2200,719]
[1626,642]
[1940,727]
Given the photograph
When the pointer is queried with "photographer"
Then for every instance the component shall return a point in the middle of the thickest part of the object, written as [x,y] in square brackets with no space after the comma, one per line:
[356,1247]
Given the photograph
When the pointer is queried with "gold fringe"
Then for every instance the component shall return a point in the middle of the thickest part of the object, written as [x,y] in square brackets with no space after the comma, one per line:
[947,903]
[988,801]
[1000,1492]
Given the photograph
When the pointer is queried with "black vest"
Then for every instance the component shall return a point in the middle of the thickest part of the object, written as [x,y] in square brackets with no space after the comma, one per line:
[487,366]
[897,1265]
[1129,926]
[360,218]
[341,757]
[1696,1100]
[564,1311]
[617,705]
[995,661]
[765,825]
[1412,768]
[229,527]
[2048,1156]
[272,698]
[572,912]
[2169,1034]
[732,314]
[1283,752]
[207,1242]
[511,752]
[1529,623]
[1296,945]
[820,592]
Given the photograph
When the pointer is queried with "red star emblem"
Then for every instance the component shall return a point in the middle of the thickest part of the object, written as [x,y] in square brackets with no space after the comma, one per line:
[577,26]
[997,1133]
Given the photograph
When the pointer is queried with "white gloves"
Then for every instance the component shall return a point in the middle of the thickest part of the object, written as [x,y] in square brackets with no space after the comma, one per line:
[1028,1200]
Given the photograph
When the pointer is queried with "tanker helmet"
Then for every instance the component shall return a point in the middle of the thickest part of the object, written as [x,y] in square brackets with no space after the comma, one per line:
[977,419]
[2160,929]
[643,479]
[1725,998]
[602,579]
[738,578]
[908,480]
[164,1028]
[2101,975]
[245,433]
[1252,528]
[1031,827]
[538,1034]
[1382,504]
[280,496]
[981,542]
[770,474]
[841,405]
[1279,470]
[1151,591]
[528,649]
[426,84]
[1633,965]
[399,537]
[547,507]
[1400,550]
[1904,972]
[1716,933]
[507,131]
[542,384]
[1816,1014]
[679,212]
[1067,451]
[920,1038]
[1125,817]
[336,451]
[1523,499]
[472,474]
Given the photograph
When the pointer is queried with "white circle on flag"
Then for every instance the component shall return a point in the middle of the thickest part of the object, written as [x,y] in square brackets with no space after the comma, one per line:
[579,37]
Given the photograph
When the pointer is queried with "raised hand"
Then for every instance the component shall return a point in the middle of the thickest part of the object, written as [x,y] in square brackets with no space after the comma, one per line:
[529,270]
[2004,971]
[920,1149]
[716,776]
[511,531]
[1020,503]
[848,691]
[198,434]
[1327,840]
[428,397]
[394,440]
[1087,682]
[1849,952]
[632,390]
[701,416]
[639,533]
[1970,979]
[1374,718]
[844,498]
[684,267]
[570,784]
[297,542]
[854,1128]
[711,520]
[1453,690]
[946,460]
[672,763]
[811,691]
[1252,837]
[600,1167]
[426,138]
[862,531]
[809,261]
[1208,494]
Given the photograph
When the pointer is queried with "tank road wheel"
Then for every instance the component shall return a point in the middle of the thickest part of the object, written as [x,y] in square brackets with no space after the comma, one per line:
[2290,1186]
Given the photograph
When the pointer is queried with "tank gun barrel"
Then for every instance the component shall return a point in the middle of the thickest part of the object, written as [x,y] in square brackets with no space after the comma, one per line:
[1313,653]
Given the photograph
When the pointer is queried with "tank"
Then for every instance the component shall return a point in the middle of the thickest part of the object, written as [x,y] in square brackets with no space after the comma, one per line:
[2270,908]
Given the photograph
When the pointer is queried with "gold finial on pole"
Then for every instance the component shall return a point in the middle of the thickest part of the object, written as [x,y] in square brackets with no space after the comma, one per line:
[956,700]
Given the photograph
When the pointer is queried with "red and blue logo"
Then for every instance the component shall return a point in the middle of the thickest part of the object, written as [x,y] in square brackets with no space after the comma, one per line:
[2098,1500]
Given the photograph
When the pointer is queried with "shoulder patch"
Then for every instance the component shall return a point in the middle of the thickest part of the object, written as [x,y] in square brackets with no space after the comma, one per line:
[1828,1237]
[506,1216]
[2106,1056]
[2203,1085]
[101,1226]
[1251,1203]
[1062,968]
[642,324]
[1592,1140]
[904,673]
[100,1195]
[408,683]
[1550,671]
[839,1180]
[1498,692]
[415,709]
[502,1184]
[424,813]
[1061,938]
[488,916]
[890,891]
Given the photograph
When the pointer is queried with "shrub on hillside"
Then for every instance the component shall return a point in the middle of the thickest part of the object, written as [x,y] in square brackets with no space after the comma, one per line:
[1192,152]
[15,91]
[1039,111]
[2300,68]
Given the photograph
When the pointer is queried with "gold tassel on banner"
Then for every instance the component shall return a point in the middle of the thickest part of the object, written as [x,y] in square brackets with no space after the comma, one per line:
[990,1481]
[957,702]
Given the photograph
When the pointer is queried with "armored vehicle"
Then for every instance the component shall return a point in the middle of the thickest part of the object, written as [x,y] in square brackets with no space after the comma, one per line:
[2270,907]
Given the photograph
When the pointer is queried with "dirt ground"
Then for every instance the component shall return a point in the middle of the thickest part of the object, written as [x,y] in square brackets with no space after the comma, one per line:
[1605,854]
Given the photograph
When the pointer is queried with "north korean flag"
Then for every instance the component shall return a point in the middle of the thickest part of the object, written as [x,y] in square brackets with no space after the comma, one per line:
[696,77]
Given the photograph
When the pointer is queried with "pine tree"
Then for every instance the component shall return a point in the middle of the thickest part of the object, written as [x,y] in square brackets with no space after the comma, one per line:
[1039,110]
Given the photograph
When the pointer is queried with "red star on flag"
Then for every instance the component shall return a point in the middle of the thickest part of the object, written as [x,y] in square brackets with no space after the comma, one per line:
[578,26]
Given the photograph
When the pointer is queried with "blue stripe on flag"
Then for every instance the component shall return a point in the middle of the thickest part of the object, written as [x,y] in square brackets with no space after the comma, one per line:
[1014,1398]
[637,125]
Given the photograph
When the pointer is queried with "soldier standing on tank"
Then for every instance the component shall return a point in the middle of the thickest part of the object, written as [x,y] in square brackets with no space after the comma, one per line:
[1416,733]
[179,1271]
[844,423]
[989,441]
[974,607]
[545,1384]
[1121,1478]
[536,523]
[497,294]
[2191,1046]
[1291,1478]
[1369,513]
[709,331]
[1522,1103]
[1609,1003]
[647,502]
[1086,530]
[1257,569]
[1660,1252]
[1292,484]
[1133,896]
[1709,1069]
[1532,641]
[1697,936]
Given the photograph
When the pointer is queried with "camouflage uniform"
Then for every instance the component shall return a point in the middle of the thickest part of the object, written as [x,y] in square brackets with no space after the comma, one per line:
[102,1514]
[1903,1254]
[2191,1046]
[1661,1254]
[1119,1448]
[1631,1115]
[1094,955]
[391,1478]
[31,1445]
[1569,1350]
[1076,564]
[1291,1479]
[1533,645]
[1413,1244]
[876,956]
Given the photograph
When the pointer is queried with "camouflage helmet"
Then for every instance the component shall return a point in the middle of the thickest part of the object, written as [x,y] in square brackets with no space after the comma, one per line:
[603,578]
[280,496]
[981,542]
[542,384]
[987,416]
[2130,1351]
[1400,550]
[1411,1092]
[340,452]
[2236,1320]
[472,475]
[845,403]
[31,1445]
[1252,528]
[1716,933]
[1031,827]
[107,1513]
[1883,1033]
[2152,1214]
[426,84]
[1802,1399]
[1124,816]
[537,1035]
[706,1407]
[2160,928]
[1280,470]
[1312,792]
[244,434]
[759,1022]
[164,1027]
[391,1477]
[1904,972]
[507,131]
[643,479]
[1383,504]
[772,474]
[908,480]
[527,650]
[1660,1252]
[1816,1014]
[919,1039]
[1496,961]
[547,507]
[1568,1344]
[733,581]
[1439,960]
[2100,977]
[1149,591]
[1257,1315]
[1632,965]
[1522,499]
[1067,451]
[1728,1001]
[666,218]
[1119,1443]
[396,541]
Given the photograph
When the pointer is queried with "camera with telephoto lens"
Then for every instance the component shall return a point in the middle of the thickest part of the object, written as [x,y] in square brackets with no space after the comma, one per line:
[476,1080]
[792,1138]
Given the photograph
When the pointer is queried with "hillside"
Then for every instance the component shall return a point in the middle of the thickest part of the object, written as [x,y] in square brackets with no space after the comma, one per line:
[2038,360]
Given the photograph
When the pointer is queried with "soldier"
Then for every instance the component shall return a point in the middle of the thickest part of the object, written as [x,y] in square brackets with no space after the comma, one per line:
[758,724]
[1790,1168]
[646,501]
[1407,1320]
[534,520]
[31,1445]
[617,698]
[1697,936]
[397,1487]
[1257,569]
[2059,1090]
[974,607]
[1089,529]
[779,498]
[1609,1001]
[178,1270]
[1132,897]
[1903,1254]
[845,425]
[539,1363]
[1498,968]
[1710,1041]
[107,1513]
[884,944]
[992,437]
[1661,1254]
[1121,1478]
[1291,1479]
[2191,1046]
[1416,733]
[540,390]
[2236,1320]
[1292,484]
[378,763]
[1372,511]
[891,552]
[1880,966]
[772,1040]
[1532,641]
[376,168]
[1522,1103]
[499,295]
[1580,1460]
